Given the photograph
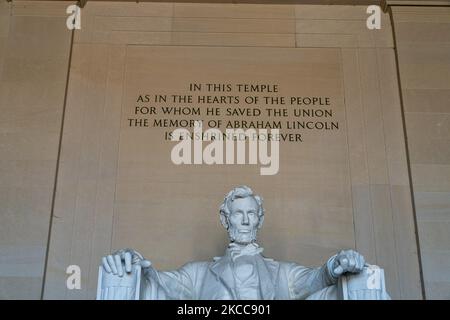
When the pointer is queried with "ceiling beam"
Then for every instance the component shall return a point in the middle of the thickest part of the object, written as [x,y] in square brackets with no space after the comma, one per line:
[418,3]
[382,3]
[319,2]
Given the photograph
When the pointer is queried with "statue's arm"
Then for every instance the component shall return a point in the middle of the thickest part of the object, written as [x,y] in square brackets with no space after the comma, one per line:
[169,285]
[303,281]
[306,281]
[127,275]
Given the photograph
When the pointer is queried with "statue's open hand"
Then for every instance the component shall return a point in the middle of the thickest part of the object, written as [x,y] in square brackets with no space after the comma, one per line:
[121,261]
[347,261]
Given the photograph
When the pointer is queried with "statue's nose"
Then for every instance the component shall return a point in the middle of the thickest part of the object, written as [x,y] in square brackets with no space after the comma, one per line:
[245,219]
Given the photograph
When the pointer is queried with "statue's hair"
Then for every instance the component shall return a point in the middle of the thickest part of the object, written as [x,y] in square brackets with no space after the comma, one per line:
[240,193]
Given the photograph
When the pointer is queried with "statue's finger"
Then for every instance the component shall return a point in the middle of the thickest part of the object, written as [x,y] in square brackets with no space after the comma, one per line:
[358,266]
[106,266]
[118,265]
[343,262]
[351,264]
[127,262]
[359,262]
[338,271]
[112,264]
[145,263]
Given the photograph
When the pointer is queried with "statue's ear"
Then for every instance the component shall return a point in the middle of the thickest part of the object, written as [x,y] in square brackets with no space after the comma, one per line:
[261,220]
[224,220]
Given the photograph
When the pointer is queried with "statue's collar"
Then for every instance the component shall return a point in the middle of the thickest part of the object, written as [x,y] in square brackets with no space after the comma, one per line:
[236,250]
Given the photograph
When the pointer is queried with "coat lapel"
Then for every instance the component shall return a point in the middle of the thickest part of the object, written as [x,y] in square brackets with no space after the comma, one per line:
[268,270]
[221,268]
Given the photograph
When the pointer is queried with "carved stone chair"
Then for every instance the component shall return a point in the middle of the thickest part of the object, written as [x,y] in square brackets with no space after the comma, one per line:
[367,285]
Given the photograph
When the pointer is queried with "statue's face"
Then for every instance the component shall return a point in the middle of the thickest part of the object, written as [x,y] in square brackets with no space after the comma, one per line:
[243,220]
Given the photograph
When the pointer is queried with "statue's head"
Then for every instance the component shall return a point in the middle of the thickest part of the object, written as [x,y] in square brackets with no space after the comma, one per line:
[242,214]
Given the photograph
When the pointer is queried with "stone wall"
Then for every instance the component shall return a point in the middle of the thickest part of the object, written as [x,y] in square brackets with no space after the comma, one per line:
[423,40]
[34,55]
[116,186]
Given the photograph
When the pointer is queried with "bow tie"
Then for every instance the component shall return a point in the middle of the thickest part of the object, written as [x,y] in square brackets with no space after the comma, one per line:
[237,251]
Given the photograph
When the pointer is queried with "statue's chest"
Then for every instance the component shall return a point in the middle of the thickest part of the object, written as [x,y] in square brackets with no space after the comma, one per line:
[246,278]
[244,269]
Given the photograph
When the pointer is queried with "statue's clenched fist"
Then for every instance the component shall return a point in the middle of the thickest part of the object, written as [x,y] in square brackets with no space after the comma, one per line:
[121,261]
[347,261]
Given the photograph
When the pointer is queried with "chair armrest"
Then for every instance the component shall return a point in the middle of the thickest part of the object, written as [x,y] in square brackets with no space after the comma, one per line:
[113,287]
[369,284]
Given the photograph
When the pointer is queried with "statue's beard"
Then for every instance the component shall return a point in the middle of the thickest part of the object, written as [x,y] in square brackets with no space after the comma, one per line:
[242,238]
